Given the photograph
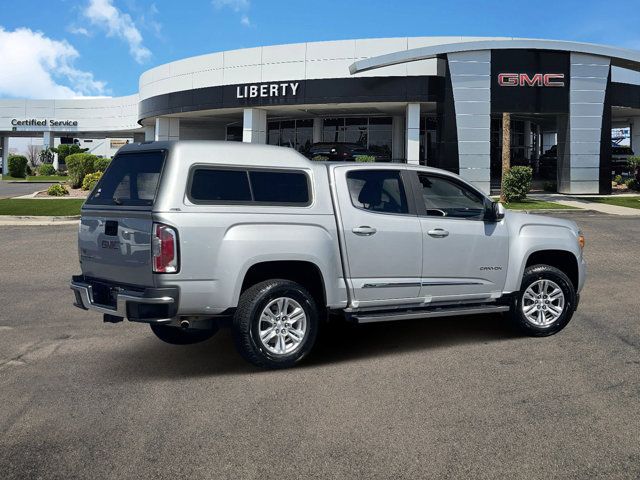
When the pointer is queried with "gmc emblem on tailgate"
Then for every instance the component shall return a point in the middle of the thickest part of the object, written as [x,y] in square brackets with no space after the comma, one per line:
[537,80]
[110,244]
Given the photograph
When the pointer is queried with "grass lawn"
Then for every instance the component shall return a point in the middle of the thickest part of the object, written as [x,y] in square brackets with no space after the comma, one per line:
[38,178]
[631,202]
[44,207]
[531,204]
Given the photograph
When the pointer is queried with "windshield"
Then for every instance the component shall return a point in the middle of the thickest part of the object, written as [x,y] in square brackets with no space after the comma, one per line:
[131,179]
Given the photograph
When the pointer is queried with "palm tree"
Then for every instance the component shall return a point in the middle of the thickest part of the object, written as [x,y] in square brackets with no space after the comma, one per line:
[506,150]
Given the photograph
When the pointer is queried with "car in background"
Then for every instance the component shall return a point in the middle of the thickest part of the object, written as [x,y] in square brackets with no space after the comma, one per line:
[341,151]
[620,154]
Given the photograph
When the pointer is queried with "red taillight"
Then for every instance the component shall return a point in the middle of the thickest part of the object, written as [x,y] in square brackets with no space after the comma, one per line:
[165,249]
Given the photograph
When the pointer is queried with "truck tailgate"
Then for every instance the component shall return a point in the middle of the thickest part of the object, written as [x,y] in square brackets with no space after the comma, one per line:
[117,248]
[114,240]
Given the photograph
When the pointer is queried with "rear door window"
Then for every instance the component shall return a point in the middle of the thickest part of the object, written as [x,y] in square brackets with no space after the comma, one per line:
[131,180]
[377,191]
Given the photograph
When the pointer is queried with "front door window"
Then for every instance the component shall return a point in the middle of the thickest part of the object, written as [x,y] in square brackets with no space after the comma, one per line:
[445,198]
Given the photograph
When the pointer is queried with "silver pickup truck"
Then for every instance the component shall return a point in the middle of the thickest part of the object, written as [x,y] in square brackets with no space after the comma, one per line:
[188,236]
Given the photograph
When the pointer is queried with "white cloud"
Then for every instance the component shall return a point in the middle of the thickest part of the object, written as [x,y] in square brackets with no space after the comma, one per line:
[235,5]
[238,6]
[35,66]
[103,14]
[78,30]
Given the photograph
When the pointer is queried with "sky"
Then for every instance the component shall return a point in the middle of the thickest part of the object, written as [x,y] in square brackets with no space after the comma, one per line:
[67,49]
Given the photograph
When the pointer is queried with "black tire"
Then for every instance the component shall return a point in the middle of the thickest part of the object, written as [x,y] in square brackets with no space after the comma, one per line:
[246,323]
[180,336]
[531,275]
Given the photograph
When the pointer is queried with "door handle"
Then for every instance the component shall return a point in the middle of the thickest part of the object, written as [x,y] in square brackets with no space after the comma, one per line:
[438,233]
[364,230]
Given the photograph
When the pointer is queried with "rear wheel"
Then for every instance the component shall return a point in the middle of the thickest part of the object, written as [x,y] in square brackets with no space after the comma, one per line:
[545,303]
[275,324]
[180,336]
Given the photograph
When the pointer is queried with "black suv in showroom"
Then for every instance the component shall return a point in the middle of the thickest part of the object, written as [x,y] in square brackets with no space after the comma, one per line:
[339,151]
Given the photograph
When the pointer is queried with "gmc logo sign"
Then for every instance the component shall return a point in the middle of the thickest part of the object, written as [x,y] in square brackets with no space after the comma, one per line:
[537,80]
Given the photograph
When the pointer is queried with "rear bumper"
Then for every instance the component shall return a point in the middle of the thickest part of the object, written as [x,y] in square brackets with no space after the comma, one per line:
[150,305]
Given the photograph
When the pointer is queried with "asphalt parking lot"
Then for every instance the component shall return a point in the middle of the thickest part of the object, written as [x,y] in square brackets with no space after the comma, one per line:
[447,398]
[14,189]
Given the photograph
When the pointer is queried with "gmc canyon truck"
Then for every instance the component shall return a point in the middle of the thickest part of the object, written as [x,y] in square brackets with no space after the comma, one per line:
[187,236]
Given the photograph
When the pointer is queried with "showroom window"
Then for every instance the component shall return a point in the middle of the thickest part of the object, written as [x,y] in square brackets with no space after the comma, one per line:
[296,134]
[373,133]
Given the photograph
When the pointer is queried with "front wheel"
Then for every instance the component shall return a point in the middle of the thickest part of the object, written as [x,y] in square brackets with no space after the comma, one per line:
[180,336]
[545,303]
[275,324]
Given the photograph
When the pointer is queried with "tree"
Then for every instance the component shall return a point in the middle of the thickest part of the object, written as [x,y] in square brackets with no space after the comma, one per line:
[634,167]
[46,155]
[506,151]
[33,154]
[65,150]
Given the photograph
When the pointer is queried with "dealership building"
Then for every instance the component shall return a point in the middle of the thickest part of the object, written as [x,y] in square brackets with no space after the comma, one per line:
[435,101]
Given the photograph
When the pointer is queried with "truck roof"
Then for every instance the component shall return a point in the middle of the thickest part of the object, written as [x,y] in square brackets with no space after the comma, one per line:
[251,154]
[219,151]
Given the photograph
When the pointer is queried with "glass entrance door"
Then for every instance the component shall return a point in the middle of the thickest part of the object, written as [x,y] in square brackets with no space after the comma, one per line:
[534,143]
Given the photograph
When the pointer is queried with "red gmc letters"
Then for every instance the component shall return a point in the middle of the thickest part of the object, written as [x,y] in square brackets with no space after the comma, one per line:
[536,80]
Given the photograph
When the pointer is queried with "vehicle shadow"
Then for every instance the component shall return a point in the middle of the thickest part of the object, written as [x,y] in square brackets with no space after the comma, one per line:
[338,342]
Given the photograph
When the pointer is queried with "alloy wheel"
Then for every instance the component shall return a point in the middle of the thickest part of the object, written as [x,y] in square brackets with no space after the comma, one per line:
[282,326]
[543,303]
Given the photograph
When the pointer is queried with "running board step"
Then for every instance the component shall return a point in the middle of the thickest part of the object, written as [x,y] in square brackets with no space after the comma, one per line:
[371,317]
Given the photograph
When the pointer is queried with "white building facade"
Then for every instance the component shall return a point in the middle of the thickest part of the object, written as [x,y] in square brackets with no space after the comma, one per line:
[431,100]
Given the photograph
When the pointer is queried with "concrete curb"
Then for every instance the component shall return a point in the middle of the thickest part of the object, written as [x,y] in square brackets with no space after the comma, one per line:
[35,196]
[33,181]
[556,210]
[28,195]
[11,220]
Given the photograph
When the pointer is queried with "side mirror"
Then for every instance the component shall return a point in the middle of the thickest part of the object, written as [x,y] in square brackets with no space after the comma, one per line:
[494,211]
[498,211]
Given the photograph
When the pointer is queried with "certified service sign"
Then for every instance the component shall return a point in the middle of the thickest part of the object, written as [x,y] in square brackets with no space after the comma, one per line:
[34,122]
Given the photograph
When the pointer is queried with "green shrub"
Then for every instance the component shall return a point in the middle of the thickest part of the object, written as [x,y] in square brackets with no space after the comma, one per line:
[79,165]
[90,180]
[46,169]
[517,183]
[365,158]
[57,190]
[617,179]
[550,187]
[65,150]
[18,166]
[632,184]
[101,164]
[634,164]
[29,171]
[320,158]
